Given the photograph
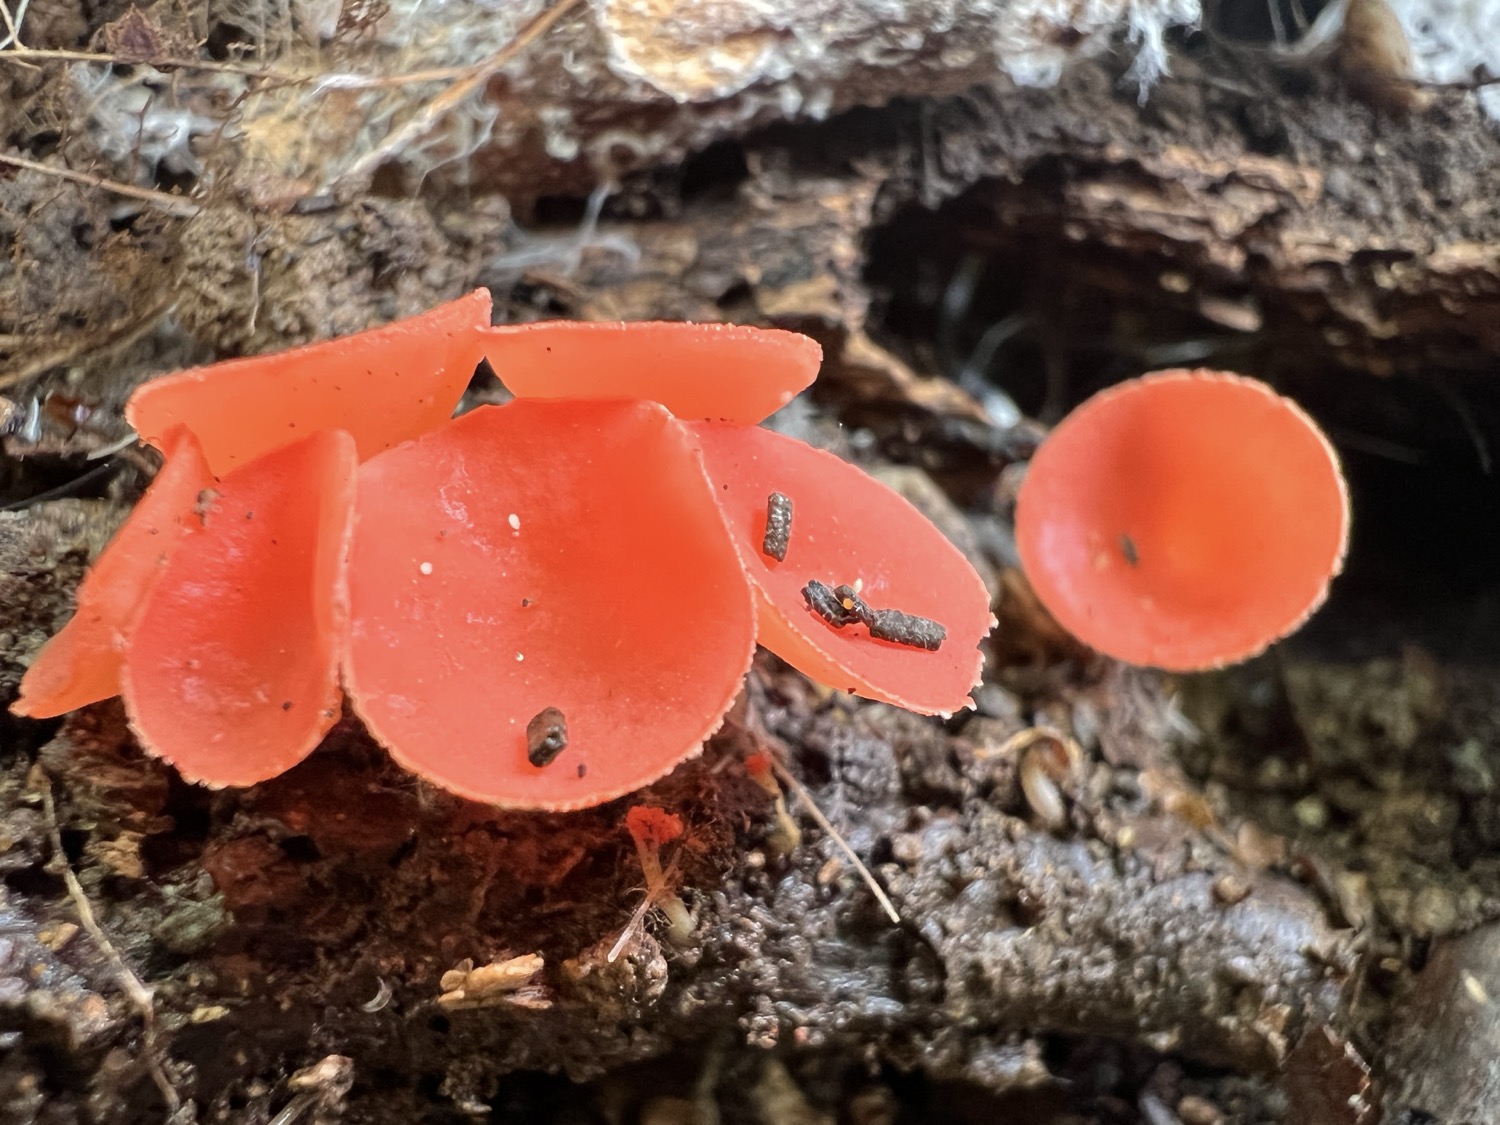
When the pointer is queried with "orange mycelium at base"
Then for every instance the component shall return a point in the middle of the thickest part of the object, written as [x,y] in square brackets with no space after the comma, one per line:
[231,671]
[383,386]
[1183,520]
[847,527]
[724,372]
[652,827]
[535,555]
[82,663]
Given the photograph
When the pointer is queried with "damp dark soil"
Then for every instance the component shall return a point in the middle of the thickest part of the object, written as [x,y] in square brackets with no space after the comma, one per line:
[1267,894]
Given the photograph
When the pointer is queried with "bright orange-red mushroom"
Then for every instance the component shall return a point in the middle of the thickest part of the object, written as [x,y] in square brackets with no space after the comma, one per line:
[847,528]
[535,556]
[81,665]
[1183,520]
[725,372]
[231,672]
[383,386]
[536,605]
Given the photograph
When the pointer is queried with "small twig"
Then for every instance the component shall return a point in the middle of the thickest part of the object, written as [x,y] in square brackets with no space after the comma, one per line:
[1461,84]
[350,81]
[474,78]
[13,24]
[294,1109]
[68,488]
[28,55]
[791,782]
[745,716]
[174,205]
[46,54]
[638,918]
[119,445]
[137,993]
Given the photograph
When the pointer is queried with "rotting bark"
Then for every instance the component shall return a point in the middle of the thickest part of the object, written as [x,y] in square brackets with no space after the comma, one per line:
[314,918]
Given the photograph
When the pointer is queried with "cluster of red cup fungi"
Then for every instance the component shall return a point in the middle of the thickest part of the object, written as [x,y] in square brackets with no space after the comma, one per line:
[545,604]
[550,603]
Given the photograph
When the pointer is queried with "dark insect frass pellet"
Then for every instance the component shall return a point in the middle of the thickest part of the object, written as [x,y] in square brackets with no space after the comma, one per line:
[852,603]
[823,601]
[546,736]
[842,605]
[907,629]
[778,526]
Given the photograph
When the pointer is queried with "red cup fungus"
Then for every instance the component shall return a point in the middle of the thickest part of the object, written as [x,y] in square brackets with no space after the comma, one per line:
[585,570]
[1184,520]
[383,387]
[545,604]
[82,664]
[231,668]
[905,565]
[725,372]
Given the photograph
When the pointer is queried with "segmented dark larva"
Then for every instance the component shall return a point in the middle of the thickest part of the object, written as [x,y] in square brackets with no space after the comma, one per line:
[851,602]
[546,736]
[826,604]
[907,629]
[843,606]
[778,526]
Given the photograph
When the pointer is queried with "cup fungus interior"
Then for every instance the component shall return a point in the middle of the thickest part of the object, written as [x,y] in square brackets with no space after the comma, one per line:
[383,386]
[1183,520]
[231,672]
[847,527]
[726,372]
[541,555]
[82,663]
